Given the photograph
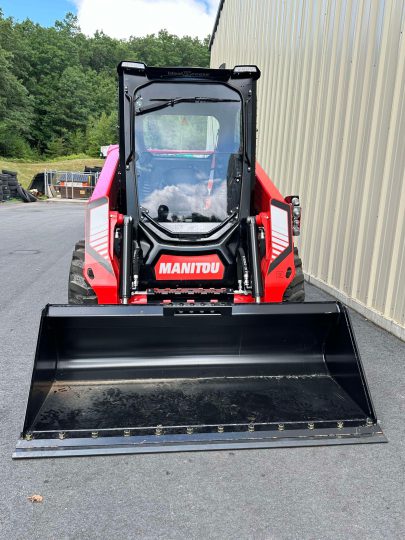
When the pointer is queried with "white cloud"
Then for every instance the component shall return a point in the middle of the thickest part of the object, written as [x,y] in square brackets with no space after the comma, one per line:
[125,18]
[184,199]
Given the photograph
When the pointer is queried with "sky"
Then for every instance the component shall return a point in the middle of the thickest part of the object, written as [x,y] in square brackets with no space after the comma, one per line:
[121,18]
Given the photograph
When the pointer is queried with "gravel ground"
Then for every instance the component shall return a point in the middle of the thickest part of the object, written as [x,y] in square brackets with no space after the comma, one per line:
[341,492]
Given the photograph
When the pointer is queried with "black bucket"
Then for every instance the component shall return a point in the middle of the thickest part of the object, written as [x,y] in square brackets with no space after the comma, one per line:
[127,379]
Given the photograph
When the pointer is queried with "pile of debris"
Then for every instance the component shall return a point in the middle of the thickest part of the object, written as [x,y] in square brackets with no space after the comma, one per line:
[10,188]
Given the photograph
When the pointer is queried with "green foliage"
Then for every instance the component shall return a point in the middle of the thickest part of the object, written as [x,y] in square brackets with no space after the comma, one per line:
[56,147]
[16,109]
[101,131]
[168,50]
[76,142]
[58,87]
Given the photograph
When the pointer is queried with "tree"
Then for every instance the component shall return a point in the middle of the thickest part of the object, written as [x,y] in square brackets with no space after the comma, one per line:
[76,142]
[101,132]
[56,147]
[15,110]
[166,49]
[58,87]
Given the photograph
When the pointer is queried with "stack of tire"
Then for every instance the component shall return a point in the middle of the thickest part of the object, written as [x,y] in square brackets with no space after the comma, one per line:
[9,182]
[5,193]
[10,188]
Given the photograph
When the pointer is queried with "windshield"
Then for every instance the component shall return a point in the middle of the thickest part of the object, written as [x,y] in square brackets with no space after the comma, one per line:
[188,155]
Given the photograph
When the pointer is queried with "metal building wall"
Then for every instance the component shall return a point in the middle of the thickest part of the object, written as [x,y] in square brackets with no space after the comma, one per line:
[331,127]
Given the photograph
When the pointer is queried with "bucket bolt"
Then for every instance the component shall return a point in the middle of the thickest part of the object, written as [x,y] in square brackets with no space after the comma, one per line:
[28,437]
[94,434]
[127,432]
[62,435]
[251,428]
[280,427]
[220,429]
[340,425]
[311,425]
[159,430]
[190,430]
[369,422]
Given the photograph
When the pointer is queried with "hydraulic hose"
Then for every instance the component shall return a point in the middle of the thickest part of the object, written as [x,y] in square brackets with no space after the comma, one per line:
[243,269]
[126,262]
[257,283]
[135,264]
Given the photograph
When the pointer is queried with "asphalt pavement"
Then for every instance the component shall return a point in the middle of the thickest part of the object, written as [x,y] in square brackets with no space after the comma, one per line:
[335,492]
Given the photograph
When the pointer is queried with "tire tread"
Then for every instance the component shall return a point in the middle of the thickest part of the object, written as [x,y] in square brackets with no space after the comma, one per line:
[79,290]
[295,292]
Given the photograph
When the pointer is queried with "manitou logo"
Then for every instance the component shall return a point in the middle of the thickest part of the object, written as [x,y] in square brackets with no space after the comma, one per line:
[189,268]
[203,267]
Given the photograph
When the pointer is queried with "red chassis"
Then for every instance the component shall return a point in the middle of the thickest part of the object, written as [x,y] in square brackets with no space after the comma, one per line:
[102,266]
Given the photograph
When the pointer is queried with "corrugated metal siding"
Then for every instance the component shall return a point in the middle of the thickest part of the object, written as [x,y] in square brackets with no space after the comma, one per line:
[331,127]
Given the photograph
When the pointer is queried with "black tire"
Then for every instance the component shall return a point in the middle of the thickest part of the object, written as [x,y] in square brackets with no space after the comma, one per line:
[25,195]
[21,193]
[79,291]
[296,291]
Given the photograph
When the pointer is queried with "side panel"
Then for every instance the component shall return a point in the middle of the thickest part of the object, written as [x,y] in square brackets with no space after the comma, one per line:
[277,266]
[101,268]
[107,175]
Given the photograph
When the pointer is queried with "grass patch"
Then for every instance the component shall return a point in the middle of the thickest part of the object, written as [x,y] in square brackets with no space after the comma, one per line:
[26,170]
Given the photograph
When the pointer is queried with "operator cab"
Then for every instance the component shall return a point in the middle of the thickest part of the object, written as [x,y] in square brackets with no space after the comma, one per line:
[187,160]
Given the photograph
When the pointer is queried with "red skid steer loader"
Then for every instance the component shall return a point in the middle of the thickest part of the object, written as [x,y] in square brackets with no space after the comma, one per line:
[186,327]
